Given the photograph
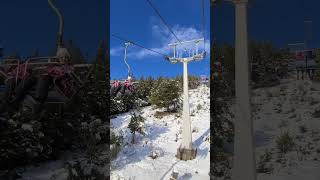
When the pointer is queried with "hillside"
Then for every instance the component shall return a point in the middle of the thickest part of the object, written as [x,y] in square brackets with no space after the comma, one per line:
[163,138]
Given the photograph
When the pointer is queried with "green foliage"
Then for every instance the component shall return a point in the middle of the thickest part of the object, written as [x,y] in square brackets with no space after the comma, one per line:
[121,104]
[285,142]
[166,94]
[135,125]
[143,88]
[193,81]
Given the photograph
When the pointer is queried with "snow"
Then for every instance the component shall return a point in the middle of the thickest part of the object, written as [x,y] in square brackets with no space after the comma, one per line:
[134,161]
[287,108]
[284,108]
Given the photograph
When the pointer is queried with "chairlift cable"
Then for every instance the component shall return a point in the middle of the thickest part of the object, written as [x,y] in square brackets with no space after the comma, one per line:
[203,25]
[123,39]
[165,23]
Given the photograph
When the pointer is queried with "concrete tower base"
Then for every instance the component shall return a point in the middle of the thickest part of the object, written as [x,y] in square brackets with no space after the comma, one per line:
[186,154]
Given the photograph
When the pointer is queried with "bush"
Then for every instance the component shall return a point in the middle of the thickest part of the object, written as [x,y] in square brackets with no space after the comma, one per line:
[199,107]
[263,165]
[166,94]
[115,144]
[285,142]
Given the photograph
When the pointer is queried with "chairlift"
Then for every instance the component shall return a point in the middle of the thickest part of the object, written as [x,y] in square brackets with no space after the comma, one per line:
[42,80]
[118,87]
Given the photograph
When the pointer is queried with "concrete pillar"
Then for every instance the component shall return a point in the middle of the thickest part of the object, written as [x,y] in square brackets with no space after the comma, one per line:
[186,125]
[244,158]
[186,151]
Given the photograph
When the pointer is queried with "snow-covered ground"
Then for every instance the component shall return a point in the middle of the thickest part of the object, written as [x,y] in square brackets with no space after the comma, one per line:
[289,107]
[133,161]
[293,107]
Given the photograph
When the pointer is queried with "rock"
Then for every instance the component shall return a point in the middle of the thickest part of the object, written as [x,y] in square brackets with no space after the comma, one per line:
[174,175]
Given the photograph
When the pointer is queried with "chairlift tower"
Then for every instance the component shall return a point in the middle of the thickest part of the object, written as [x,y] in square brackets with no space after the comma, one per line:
[186,151]
[244,157]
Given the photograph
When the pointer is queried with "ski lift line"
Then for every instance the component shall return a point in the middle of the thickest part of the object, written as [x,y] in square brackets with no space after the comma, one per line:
[122,39]
[162,19]
[203,24]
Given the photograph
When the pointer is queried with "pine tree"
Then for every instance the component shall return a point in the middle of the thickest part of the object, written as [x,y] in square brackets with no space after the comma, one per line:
[100,63]
[166,94]
[135,125]
[144,87]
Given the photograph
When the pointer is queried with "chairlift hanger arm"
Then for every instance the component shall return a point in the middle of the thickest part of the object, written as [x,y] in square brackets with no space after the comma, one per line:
[125,57]
[61,21]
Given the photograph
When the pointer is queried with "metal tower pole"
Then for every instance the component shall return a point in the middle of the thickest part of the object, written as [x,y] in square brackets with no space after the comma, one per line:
[244,158]
[186,151]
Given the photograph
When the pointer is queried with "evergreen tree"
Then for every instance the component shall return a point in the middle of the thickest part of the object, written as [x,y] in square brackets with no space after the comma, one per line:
[143,88]
[135,125]
[100,63]
[166,94]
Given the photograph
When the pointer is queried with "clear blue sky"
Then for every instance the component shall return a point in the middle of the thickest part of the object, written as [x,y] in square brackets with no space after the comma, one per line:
[136,21]
[31,24]
[278,21]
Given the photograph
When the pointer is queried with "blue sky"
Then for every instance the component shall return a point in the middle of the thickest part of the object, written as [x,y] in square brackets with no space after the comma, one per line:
[278,21]
[136,21]
[31,24]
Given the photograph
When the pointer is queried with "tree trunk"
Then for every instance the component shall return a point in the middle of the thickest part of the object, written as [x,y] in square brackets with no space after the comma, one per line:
[133,135]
